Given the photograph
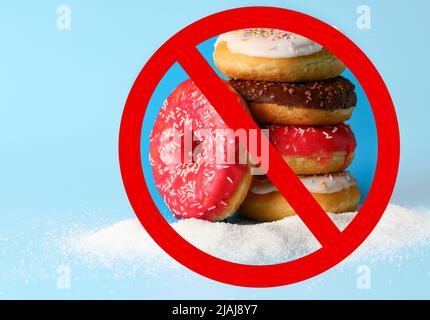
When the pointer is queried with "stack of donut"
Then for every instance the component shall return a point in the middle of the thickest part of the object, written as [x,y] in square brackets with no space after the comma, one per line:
[293,88]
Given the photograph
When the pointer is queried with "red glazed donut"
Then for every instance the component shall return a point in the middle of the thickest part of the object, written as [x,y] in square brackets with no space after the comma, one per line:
[314,150]
[193,178]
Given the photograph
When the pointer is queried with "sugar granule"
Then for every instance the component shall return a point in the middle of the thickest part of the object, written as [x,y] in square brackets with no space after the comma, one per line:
[250,243]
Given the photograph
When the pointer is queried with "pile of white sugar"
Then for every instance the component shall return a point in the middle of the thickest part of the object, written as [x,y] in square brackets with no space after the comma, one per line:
[242,242]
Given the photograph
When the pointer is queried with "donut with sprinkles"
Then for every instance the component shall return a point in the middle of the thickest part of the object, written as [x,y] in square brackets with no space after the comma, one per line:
[312,150]
[196,170]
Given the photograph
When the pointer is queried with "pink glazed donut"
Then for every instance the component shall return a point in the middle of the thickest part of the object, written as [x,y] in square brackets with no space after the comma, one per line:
[314,150]
[192,166]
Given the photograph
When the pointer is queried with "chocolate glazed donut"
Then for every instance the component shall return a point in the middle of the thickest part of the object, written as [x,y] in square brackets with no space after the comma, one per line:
[314,103]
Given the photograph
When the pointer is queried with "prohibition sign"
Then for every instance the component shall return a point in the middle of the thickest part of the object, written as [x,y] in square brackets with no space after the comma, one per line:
[335,245]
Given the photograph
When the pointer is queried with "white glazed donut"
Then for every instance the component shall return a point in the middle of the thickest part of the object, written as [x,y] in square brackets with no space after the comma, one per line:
[335,193]
[274,55]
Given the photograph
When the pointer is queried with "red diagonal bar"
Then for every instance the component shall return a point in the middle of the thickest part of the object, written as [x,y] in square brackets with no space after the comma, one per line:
[216,91]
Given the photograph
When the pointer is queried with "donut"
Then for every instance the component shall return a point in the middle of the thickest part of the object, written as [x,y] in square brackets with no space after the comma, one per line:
[335,193]
[273,55]
[314,150]
[194,180]
[314,103]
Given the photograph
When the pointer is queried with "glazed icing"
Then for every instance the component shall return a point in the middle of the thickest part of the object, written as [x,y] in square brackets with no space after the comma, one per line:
[268,43]
[329,183]
[307,141]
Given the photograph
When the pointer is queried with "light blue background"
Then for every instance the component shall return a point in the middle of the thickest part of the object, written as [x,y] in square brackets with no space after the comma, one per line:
[61,98]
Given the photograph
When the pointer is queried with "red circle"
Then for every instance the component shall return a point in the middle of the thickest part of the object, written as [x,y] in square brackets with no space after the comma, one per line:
[265,275]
